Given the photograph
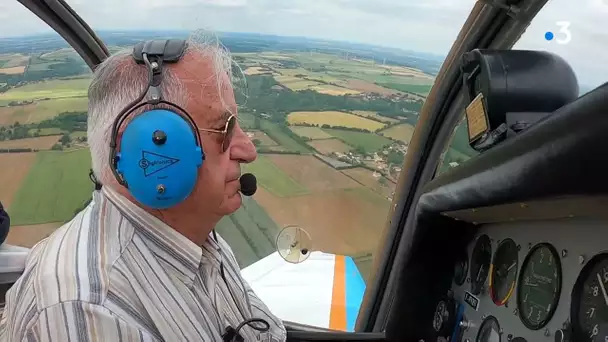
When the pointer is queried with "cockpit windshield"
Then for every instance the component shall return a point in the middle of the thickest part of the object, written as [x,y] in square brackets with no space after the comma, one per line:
[333,94]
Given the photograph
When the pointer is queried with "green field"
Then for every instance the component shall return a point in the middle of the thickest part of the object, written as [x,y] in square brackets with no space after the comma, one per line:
[459,149]
[422,89]
[370,142]
[42,110]
[275,132]
[62,54]
[246,120]
[40,66]
[78,134]
[310,132]
[46,131]
[75,104]
[460,140]
[240,244]
[56,185]
[250,232]
[53,89]
[13,60]
[274,179]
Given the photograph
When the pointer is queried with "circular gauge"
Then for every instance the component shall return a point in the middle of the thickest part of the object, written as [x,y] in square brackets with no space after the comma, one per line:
[489,331]
[589,310]
[503,275]
[462,268]
[539,286]
[480,263]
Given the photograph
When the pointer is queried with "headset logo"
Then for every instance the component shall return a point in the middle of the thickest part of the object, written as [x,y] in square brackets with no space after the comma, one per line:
[151,162]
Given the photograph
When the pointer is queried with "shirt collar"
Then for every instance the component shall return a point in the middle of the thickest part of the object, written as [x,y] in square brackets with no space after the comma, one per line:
[167,244]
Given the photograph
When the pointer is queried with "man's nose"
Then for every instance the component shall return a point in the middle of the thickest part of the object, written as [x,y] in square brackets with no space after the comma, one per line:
[242,148]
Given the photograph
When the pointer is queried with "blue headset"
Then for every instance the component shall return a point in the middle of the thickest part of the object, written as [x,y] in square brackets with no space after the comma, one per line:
[160,149]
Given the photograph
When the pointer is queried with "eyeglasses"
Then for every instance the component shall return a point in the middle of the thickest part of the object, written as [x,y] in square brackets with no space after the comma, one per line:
[228,132]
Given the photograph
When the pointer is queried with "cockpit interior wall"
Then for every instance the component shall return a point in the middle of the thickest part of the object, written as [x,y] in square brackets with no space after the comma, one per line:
[555,159]
[5,223]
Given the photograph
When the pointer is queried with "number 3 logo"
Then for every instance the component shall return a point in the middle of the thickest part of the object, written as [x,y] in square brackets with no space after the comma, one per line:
[564,29]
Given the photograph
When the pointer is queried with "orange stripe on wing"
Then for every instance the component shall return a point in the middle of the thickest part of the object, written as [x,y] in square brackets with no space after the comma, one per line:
[337,315]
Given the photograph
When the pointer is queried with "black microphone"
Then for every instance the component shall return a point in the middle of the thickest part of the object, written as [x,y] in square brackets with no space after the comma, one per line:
[248,184]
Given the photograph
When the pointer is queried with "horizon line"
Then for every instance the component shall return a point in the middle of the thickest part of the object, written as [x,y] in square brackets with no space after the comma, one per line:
[97,31]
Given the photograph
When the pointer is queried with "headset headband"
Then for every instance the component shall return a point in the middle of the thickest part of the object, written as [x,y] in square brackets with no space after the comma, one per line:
[153,54]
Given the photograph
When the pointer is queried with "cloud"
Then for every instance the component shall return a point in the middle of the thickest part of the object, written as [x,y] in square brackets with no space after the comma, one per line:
[426,26]
[588,43]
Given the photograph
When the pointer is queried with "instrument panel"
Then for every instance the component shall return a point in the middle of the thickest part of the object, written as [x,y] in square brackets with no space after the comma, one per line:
[532,281]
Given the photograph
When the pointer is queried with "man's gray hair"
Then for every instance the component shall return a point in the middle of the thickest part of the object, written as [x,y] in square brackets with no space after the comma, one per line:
[116,83]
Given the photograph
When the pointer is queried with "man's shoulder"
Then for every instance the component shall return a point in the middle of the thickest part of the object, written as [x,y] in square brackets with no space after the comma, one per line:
[73,263]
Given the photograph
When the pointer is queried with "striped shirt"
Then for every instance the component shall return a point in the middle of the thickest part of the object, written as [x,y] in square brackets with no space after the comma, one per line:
[117,273]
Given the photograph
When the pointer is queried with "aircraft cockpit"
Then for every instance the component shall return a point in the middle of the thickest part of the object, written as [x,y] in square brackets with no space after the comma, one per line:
[425,171]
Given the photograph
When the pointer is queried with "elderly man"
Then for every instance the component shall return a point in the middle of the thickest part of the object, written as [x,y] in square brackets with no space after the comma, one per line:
[121,271]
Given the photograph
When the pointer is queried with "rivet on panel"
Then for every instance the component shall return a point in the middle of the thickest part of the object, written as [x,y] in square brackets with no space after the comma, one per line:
[581,259]
[564,253]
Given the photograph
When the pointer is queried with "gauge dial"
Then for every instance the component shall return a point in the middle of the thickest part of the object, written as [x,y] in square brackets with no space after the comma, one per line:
[480,263]
[589,310]
[503,275]
[539,286]
[462,268]
[489,331]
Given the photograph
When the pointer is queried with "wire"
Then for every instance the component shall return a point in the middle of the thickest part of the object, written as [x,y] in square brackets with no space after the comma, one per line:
[234,335]
[265,328]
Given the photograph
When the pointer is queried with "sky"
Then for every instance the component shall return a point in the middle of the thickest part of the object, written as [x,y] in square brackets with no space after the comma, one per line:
[419,25]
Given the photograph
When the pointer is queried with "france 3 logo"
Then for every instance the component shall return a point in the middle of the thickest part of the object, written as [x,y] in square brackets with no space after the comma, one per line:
[563,35]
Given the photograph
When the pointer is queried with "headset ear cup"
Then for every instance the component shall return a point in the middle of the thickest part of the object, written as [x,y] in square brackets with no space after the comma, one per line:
[159,158]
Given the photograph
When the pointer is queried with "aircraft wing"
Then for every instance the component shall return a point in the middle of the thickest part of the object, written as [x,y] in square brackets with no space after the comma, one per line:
[325,290]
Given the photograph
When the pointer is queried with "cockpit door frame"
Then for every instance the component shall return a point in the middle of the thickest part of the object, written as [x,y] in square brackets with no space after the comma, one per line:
[65,21]
[491,25]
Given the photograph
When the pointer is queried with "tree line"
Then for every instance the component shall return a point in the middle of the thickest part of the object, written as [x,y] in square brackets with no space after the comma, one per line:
[67,121]
[55,70]
[260,97]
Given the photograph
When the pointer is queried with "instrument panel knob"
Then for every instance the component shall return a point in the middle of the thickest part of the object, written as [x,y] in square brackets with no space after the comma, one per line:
[562,335]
